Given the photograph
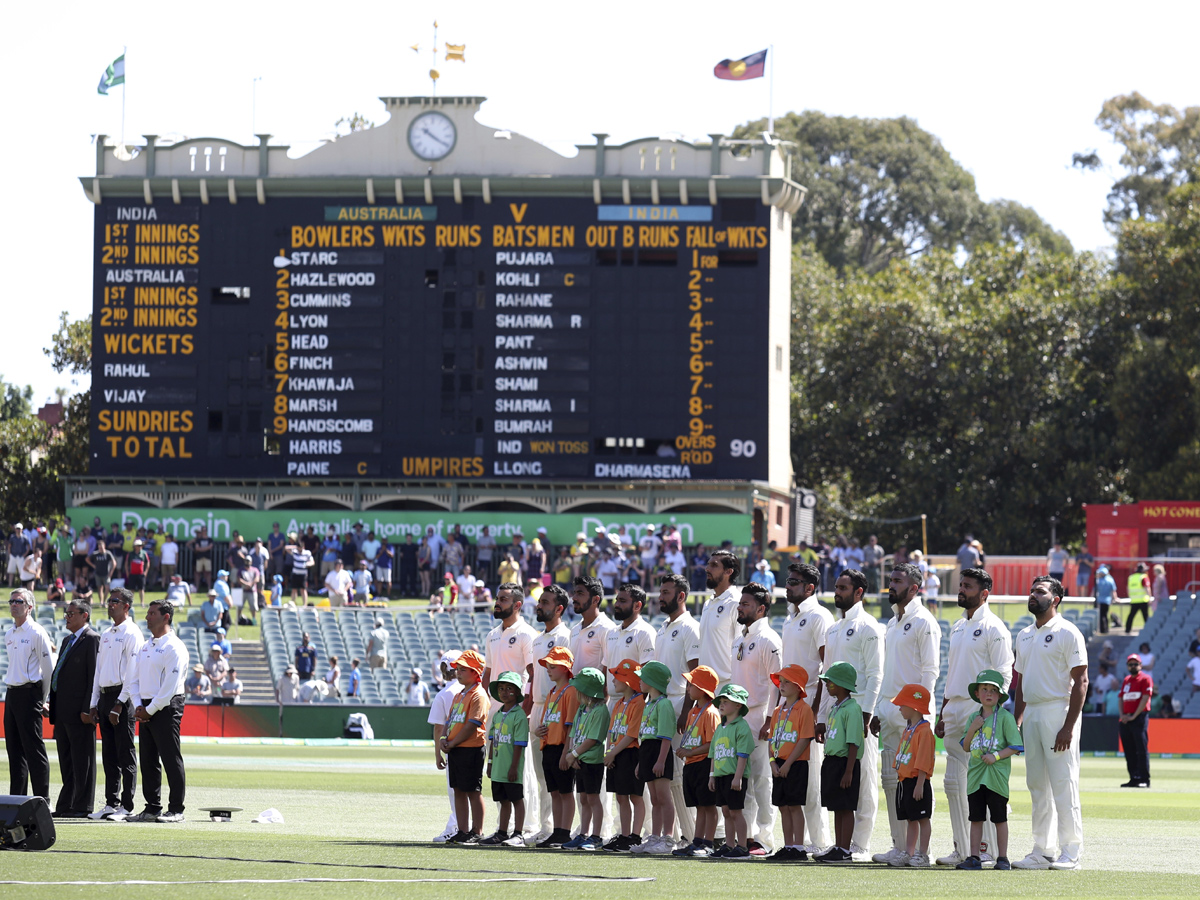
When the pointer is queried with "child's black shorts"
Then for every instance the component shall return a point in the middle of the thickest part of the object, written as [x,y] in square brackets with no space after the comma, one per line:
[833,796]
[983,801]
[648,756]
[793,790]
[465,767]
[562,781]
[589,779]
[507,791]
[910,810]
[725,795]
[695,785]
[621,777]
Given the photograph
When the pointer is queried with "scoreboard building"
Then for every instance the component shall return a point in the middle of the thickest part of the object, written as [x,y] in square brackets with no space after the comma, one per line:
[433,315]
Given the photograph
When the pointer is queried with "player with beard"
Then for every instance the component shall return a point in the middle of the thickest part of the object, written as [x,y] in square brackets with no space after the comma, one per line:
[856,639]
[756,659]
[677,646]
[1049,686]
[979,640]
[912,654]
[633,638]
[550,607]
[804,635]
[510,649]
[718,620]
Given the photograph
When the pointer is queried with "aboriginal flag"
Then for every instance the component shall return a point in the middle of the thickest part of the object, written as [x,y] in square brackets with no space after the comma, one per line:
[751,66]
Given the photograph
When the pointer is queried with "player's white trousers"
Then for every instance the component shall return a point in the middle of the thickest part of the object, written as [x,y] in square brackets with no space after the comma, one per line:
[1053,780]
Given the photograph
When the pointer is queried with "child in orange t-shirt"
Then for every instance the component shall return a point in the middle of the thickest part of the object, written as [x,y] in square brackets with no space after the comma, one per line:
[621,759]
[558,715]
[463,745]
[702,722]
[791,730]
[914,768]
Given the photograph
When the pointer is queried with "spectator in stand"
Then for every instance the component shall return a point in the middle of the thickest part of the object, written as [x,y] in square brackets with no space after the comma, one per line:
[533,591]
[31,569]
[385,561]
[1164,706]
[425,565]
[872,561]
[453,555]
[377,646]
[202,563]
[484,548]
[1159,592]
[338,583]
[696,575]
[579,556]
[436,544]
[362,583]
[1056,561]
[168,558]
[445,596]
[348,552]
[978,548]
[275,544]
[137,564]
[260,559]
[635,572]
[306,658]
[178,592]
[238,557]
[416,692]
[355,689]
[231,687]
[763,575]
[219,640]
[63,541]
[483,597]
[333,678]
[114,541]
[250,581]
[649,547]
[406,561]
[55,593]
[1136,691]
[932,589]
[1139,597]
[1108,656]
[675,559]
[466,583]
[82,549]
[548,547]
[535,560]
[854,555]
[301,559]
[1084,563]
[837,556]
[359,535]
[608,570]
[1194,646]
[215,666]
[510,570]
[311,542]
[518,548]
[967,556]
[198,687]
[1146,658]
[370,549]
[1103,684]
[1106,592]
[563,567]
[1193,668]
[103,564]
[224,595]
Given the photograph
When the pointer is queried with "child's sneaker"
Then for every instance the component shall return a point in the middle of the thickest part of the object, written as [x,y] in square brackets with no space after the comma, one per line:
[898,858]
[738,853]
[591,842]
[498,838]
[576,842]
[684,851]
[1002,864]
[919,860]
[835,855]
[516,840]
[971,864]
[721,852]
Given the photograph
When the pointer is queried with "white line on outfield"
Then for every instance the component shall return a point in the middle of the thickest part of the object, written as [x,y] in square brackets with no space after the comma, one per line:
[579,878]
[325,763]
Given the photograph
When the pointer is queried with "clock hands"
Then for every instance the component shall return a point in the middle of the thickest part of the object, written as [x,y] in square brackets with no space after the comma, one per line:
[426,131]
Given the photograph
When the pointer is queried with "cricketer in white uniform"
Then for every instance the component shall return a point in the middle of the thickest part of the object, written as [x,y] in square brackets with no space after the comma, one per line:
[756,659]
[718,619]
[1051,660]
[803,637]
[550,607]
[979,640]
[633,638]
[912,654]
[677,646]
[857,638]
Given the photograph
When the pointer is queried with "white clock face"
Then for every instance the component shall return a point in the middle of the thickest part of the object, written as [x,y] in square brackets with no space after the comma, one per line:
[431,135]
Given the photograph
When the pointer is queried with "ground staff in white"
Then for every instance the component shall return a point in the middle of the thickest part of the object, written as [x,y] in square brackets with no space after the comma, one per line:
[589,644]
[439,716]
[857,638]
[912,654]
[510,649]
[756,658]
[550,607]
[979,640]
[677,646]
[804,645]
[1050,687]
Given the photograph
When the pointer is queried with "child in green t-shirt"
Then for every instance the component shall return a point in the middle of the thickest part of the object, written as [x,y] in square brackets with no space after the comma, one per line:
[840,772]
[730,752]
[585,752]
[656,765]
[508,736]
[991,739]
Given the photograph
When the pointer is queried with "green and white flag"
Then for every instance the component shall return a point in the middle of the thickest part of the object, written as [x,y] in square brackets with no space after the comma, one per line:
[113,75]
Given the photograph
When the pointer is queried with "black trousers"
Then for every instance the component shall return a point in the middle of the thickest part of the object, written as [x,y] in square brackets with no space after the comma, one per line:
[117,753]
[159,744]
[1135,735]
[1134,609]
[27,759]
[76,744]
[1103,607]
[407,584]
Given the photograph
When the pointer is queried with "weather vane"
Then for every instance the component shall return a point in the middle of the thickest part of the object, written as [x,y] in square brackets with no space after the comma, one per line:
[454,53]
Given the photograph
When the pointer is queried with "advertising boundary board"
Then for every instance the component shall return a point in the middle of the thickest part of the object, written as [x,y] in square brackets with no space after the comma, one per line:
[561,528]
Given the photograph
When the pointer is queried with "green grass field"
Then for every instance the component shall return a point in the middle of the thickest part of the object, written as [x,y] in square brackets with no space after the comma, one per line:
[361,816]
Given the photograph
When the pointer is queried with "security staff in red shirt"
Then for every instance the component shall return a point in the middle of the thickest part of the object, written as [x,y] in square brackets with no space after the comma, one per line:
[1135,693]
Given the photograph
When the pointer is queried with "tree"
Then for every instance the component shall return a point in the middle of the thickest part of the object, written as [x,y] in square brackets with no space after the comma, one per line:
[350,124]
[886,189]
[15,401]
[70,349]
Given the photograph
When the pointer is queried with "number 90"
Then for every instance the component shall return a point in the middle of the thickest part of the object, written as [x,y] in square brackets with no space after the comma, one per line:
[742,448]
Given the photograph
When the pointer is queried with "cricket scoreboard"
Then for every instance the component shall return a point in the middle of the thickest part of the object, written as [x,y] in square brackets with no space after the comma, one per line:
[526,337]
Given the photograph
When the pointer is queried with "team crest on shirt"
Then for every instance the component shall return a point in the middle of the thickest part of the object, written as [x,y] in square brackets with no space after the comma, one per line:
[1049,638]
[751,647]
[591,634]
[803,622]
[720,609]
[629,640]
[512,640]
[849,633]
[675,634]
[908,626]
[550,646]
[978,632]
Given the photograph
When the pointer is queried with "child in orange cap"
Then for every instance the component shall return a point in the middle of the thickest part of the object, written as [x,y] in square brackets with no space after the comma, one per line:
[792,729]
[698,730]
[914,769]
[622,757]
[554,729]
[463,745]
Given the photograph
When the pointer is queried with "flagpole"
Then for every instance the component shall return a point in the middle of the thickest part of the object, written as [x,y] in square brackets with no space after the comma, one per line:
[771,94]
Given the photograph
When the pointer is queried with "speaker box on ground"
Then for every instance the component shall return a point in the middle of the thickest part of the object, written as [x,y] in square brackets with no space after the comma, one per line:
[25,824]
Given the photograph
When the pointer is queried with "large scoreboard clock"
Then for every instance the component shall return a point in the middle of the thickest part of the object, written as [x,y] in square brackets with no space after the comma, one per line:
[432,136]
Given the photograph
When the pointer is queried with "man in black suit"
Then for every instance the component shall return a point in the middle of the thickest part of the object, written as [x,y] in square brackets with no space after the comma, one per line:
[70,713]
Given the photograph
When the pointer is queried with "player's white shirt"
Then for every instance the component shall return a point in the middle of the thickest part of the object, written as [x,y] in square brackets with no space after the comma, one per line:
[589,643]
[980,642]
[718,631]
[559,636]
[756,657]
[630,640]
[912,649]
[510,649]
[803,636]
[1045,657]
[675,645]
[857,638]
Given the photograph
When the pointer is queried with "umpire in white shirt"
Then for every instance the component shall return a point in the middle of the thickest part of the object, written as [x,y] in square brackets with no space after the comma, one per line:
[119,648]
[30,665]
[156,686]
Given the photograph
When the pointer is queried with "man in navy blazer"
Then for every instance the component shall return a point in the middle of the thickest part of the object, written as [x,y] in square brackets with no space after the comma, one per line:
[70,705]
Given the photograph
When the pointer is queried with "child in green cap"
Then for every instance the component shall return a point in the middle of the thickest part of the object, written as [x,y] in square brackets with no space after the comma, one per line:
[508,736]
[656,765]
[991,739]
[840,775]
[730,754]
[585,753]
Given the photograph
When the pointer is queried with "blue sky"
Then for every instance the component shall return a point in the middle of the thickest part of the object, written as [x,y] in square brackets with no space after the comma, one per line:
[1012,91]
